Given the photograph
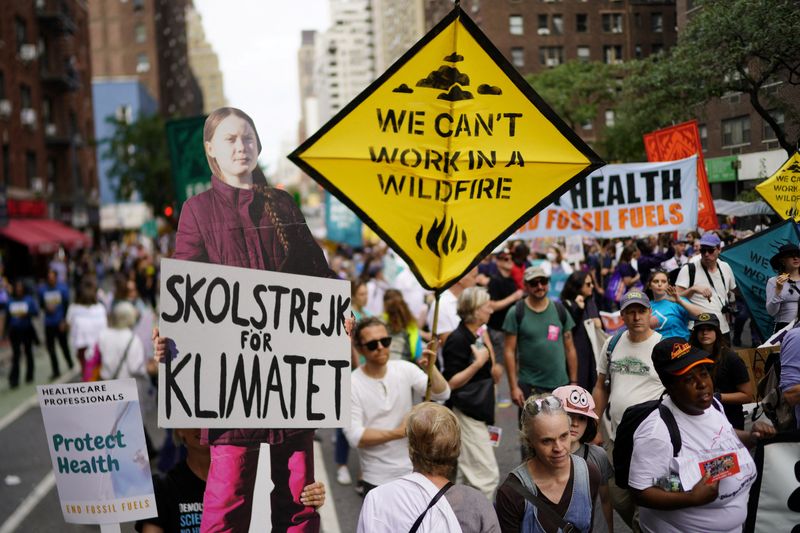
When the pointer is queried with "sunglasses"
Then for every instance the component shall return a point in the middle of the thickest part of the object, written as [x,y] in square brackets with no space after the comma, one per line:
[537,282]
[504,258]
[589,283]
[707,250]
[373,345]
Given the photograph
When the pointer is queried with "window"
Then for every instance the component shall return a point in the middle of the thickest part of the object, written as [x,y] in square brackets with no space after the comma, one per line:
[21,32]
[703,130]
[558,24]
[610,116]
[140,33]
[138,4]
[581,23]
[736,131]
[612,22]
[637,20]
[768,134]
[47,111]
[588,126]
[142,63]
[542,25]
[518,57]
[30,166]
[583,53]
[637,51]
[124,114]
[656,48]
[25,98]
[656,22]
[612,54]
[551,56]
[515,25]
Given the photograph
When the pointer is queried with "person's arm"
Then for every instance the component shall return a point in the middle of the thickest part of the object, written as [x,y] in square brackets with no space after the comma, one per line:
[657,498]
[189,242]
[792,395]
[572,357]
[608,509]
[760,430]
[743,394]
[440,390]
[508,300]
[459,379]
[775,294]
[375,436]
[510,357]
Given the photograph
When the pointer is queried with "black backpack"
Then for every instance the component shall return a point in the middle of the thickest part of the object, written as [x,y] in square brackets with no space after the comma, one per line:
[672,276]
[631,419]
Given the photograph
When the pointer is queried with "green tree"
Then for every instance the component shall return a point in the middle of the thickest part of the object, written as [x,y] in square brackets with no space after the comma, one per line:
[576,90]
[139,158]
[727,46]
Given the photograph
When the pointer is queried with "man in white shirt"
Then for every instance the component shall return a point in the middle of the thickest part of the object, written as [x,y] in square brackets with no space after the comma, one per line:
[632,380]
[713,284]
[381,396]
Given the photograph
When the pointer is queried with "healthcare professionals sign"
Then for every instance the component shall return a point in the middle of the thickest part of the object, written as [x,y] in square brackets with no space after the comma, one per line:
[97,445]
[252,348]
[622,200]
[446,153]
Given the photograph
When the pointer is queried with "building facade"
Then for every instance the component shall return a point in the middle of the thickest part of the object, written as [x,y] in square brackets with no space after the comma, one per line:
[47,160]
[204,63]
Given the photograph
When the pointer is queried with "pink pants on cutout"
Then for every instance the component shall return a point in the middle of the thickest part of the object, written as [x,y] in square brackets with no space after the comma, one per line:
[228,499]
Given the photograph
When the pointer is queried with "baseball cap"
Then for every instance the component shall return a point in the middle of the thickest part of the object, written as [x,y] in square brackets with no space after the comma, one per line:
[707,319]
[676,356]
[535,272]
[634,297]
[709,239]
[576,400]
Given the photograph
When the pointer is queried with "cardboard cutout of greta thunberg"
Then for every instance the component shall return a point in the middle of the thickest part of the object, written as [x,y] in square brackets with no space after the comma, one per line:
[242,222]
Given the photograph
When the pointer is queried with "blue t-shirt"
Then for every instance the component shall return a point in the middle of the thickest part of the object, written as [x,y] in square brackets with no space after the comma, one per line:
[21,311]
[54,302]
[673,318]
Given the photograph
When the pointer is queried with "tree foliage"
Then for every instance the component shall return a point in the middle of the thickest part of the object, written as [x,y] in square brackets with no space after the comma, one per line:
[139,158]
[576,90]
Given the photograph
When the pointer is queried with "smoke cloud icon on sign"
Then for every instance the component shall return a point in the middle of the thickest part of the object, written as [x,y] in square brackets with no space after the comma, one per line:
[442,241]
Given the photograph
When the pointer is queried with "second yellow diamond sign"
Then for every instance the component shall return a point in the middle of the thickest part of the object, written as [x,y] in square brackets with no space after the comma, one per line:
[447,153]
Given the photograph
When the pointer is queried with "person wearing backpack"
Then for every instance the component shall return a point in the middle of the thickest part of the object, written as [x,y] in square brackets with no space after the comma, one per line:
[538,335]
[690,470]
[626,377]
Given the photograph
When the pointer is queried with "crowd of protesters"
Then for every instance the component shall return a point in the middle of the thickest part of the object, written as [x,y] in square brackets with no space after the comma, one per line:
[530,317]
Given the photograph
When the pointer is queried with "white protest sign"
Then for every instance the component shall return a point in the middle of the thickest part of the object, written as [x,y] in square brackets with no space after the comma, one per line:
[621,200]
[775,497]
[96,440]
[252,348]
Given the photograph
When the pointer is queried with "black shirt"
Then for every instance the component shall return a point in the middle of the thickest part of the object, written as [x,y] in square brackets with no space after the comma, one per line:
[499,289]
[179,500]
[457,354]
[729,374]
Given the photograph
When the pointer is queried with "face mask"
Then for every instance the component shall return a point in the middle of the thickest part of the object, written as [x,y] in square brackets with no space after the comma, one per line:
[551,256]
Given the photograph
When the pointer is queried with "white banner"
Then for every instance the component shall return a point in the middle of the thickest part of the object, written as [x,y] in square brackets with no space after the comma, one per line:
[622,200]
[96,440]
[775,497]
[252,348]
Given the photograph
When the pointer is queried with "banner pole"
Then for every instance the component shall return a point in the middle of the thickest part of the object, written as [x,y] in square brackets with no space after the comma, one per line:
[434,346]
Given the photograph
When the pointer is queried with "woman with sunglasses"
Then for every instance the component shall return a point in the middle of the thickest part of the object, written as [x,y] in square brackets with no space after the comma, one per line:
[578,298]
[551,489]
[783,293]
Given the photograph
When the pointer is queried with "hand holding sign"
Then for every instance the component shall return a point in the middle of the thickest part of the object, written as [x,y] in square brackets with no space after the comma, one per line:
[705,491]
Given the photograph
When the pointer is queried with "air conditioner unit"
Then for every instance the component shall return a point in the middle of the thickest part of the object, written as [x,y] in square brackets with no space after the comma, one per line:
[543,31]
[50,130]
[551,62]
[28,52]
[5,108]
[37,185]
[28,117]
[616,30]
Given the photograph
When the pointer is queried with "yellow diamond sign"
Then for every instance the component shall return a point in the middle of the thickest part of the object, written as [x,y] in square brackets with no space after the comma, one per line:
[447,153]
[782,190]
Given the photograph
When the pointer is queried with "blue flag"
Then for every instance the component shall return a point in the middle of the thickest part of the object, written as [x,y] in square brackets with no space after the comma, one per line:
[749,259]
[342,224]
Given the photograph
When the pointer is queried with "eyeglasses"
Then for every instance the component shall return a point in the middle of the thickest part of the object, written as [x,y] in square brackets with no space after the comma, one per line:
[537,282]
[589,283]
[707,250]
[373,344]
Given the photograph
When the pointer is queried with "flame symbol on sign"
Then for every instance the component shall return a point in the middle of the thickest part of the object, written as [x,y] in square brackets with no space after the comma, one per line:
[442,242]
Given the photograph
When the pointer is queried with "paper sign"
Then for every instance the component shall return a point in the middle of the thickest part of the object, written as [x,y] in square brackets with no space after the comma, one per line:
[97,445]
[495,435]
[252,348]
[720,467]
[447,153]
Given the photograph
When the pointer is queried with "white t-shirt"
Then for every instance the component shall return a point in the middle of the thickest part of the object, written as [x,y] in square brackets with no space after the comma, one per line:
[85,324]
[448,316]
[396,506]
[633,377]
[720,297]
[702,437]
[112,343]
[382,404]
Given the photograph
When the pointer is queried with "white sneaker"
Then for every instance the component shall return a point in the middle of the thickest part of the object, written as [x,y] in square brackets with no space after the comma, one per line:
[343,475]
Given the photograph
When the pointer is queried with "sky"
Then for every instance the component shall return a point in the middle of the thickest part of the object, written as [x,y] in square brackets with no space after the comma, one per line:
[257,42]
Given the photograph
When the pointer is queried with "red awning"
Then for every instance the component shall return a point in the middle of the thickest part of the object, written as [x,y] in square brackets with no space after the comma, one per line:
[44,236]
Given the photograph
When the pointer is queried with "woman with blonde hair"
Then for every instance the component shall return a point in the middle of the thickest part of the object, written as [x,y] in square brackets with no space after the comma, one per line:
[471,372]
[242,221]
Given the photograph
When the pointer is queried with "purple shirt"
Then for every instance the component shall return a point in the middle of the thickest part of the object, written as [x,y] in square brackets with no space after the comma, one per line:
[790,365]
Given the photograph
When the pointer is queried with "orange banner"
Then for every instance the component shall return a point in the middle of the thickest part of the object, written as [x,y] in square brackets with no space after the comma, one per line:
[678,142]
